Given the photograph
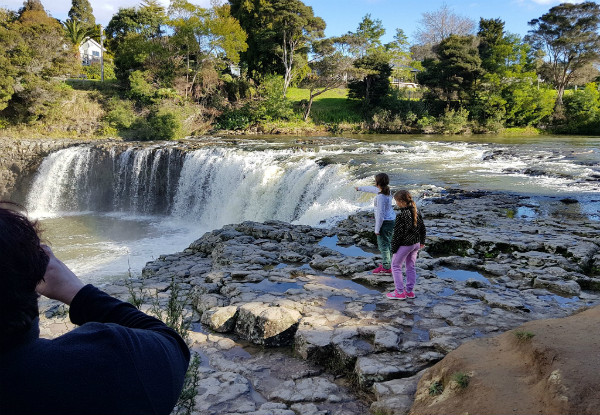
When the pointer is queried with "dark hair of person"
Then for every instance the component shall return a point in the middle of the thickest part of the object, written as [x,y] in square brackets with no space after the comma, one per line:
[405,196]
[22,266]
[383,181]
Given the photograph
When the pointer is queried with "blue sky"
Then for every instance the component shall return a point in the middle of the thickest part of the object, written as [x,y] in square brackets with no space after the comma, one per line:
[342,16]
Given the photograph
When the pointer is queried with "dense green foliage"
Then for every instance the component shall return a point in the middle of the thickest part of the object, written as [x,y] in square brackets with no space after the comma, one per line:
[265,66]
[568,33]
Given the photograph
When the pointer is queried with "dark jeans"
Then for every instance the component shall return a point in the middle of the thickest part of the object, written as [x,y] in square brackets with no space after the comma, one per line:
[384,242]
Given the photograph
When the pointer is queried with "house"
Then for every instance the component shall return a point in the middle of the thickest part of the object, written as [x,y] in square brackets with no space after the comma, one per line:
[90,51]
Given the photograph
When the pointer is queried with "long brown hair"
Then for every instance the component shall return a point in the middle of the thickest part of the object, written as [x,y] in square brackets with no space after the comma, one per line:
[404,196]
[24,264]
[383,181]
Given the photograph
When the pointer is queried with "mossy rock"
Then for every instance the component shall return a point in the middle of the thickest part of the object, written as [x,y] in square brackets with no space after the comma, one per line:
[437,246]
[369,236]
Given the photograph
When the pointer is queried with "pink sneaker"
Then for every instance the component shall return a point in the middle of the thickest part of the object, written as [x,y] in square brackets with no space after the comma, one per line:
[386,271]
[394,295]
[378,270]
[409,294]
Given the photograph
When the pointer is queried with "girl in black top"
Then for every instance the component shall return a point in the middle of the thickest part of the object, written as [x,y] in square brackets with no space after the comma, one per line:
[408,238]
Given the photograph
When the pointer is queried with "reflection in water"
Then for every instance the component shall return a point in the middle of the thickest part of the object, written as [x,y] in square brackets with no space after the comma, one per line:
[352,250]
[461,275]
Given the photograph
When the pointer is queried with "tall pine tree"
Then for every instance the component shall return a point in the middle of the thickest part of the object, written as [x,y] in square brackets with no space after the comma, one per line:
[82,12]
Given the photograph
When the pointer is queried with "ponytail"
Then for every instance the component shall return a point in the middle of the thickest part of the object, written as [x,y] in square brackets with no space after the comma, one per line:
[383,181]
[404,196]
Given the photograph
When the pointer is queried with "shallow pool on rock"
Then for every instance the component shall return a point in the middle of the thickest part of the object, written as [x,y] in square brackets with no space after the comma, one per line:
[461,275]
[351,250]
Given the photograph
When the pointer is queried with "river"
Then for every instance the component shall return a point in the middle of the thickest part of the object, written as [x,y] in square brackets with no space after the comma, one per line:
[107,211]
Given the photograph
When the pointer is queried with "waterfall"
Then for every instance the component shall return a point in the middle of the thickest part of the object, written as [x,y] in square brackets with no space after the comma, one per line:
[212,186]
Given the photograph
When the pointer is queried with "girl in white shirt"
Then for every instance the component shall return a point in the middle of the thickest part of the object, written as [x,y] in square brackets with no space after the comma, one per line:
[384,219]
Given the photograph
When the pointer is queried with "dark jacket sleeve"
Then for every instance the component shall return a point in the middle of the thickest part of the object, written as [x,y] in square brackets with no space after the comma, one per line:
[398,232]
[158,355]
[422,230]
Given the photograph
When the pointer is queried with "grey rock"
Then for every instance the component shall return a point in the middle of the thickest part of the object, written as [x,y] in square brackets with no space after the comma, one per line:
[266,325]
[220,319]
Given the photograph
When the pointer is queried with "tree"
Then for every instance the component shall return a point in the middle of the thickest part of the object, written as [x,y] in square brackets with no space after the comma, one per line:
[255,18]
[33,53]
[32,6]
[135,38]
[330,69]
[367,36]
[204,37]
[453,75]
[440,24]
[400,56]
[568,34]
[375,83]
[146,20]
[81,11]
[77,33]
[279,35]
[298,26]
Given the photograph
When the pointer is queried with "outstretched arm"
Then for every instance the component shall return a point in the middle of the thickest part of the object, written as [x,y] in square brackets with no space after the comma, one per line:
[367,189]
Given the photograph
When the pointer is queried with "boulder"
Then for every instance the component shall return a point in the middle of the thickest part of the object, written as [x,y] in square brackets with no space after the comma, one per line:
[266,325]
[220,319]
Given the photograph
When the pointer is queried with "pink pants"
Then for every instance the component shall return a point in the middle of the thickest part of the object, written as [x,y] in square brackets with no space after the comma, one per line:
[408,255]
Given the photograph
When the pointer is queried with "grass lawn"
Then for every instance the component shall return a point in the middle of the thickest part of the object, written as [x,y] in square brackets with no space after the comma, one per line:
[329,107]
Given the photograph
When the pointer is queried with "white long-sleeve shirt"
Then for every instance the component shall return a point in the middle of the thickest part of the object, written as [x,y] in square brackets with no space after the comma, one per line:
[383,206]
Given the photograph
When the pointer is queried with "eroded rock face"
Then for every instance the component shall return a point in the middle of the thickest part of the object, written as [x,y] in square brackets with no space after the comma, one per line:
[275,284]
[19,160]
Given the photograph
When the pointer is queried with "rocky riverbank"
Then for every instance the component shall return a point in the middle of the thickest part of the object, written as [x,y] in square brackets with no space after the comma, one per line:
[288,319]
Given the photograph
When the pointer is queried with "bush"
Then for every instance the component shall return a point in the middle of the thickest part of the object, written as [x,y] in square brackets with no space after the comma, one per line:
[383,121]
[582,110]
[163,126]
[238,119]
[273,105]
[453,122]
[119,114]
[94,71]
[139,87]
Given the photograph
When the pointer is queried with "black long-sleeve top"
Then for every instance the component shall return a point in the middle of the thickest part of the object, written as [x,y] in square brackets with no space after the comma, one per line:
[405,233]
[119,361]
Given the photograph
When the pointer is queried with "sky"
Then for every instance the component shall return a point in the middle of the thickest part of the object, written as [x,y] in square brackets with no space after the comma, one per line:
[343,16]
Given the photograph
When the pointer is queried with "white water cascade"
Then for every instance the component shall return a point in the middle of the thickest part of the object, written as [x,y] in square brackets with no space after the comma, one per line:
[211,186]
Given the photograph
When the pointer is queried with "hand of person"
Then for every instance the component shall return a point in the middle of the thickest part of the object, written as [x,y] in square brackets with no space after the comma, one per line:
[356,188]
[59,283]
[421,246]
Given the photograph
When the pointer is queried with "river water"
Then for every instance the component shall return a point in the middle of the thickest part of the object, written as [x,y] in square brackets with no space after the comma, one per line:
[108,211]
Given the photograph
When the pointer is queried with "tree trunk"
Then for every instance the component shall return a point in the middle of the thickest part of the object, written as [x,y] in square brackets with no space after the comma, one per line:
[310,101]
[558,105]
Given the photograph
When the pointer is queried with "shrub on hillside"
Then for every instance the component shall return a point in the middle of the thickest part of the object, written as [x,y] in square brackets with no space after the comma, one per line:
[582,110]
[94,71]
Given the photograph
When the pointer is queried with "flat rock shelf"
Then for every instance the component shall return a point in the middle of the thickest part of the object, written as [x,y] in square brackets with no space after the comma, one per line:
[285,324]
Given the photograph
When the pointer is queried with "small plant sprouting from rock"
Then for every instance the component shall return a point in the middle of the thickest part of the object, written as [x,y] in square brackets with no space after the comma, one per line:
[510,213]
[523,335]
[187,399]
[461,379]
[436,388]
[174,315]
[136,294]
